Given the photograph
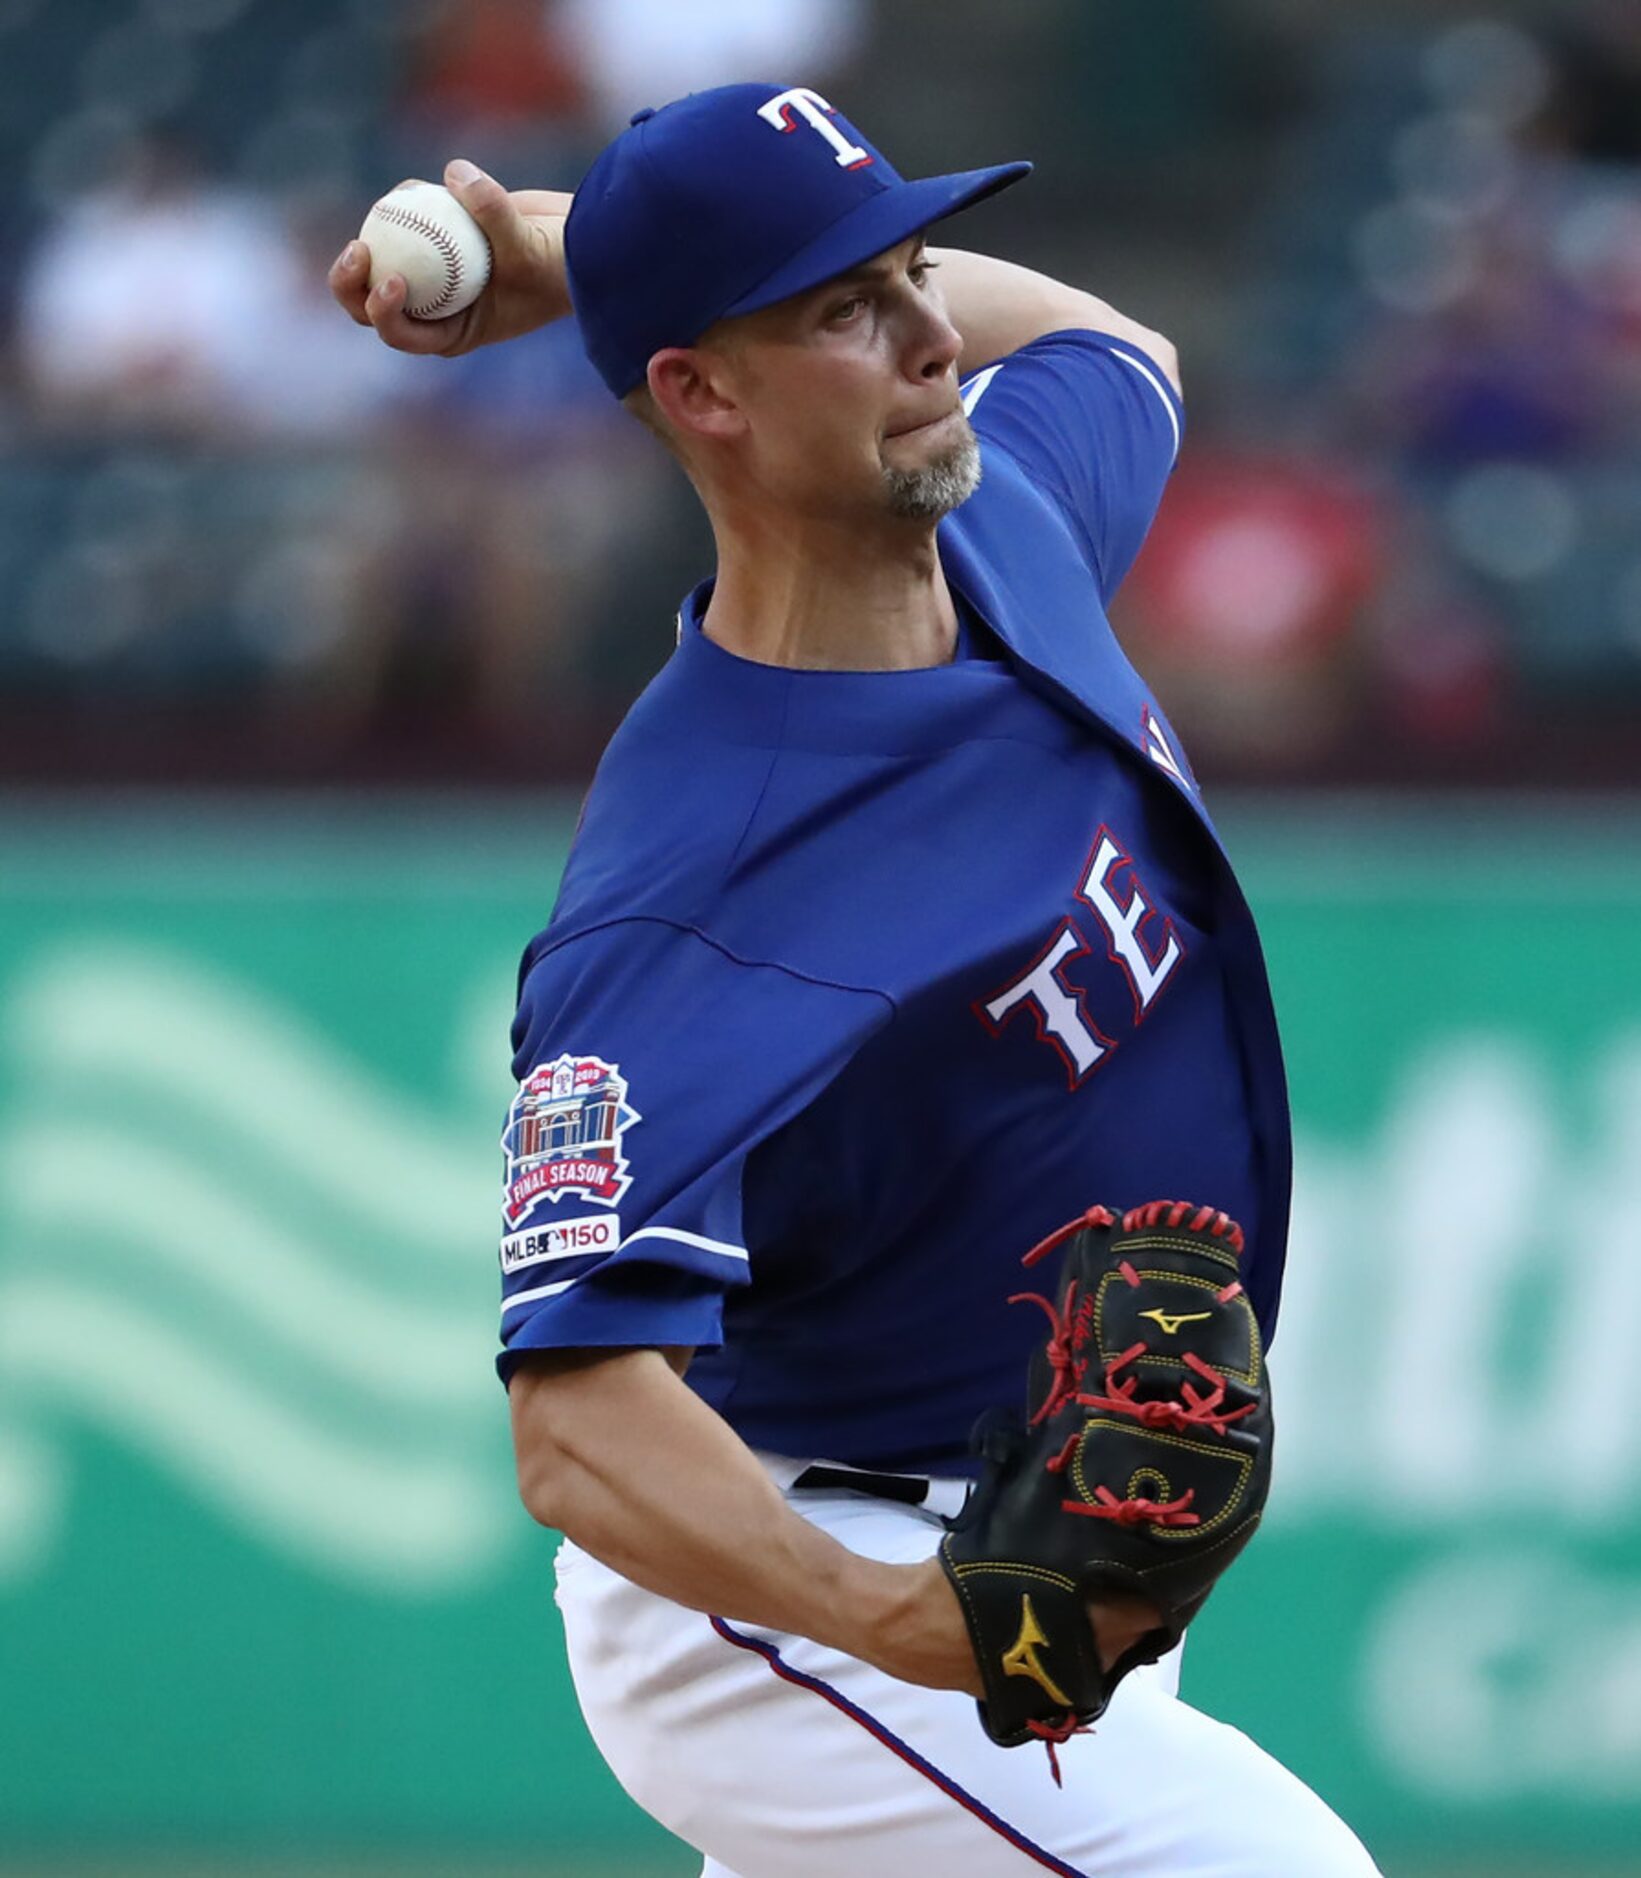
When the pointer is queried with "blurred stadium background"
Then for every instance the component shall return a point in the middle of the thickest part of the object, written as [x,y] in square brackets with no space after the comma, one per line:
[307,651]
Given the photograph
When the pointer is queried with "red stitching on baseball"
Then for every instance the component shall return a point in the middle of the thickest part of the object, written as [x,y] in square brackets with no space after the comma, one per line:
[441,238]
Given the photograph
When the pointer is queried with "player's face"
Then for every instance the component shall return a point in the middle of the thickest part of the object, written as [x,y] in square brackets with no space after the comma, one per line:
[849,396]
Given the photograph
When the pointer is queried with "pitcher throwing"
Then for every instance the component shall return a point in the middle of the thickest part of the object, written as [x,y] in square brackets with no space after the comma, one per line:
[894,938]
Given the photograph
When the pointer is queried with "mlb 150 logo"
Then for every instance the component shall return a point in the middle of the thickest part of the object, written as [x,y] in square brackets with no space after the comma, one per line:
[561,1239]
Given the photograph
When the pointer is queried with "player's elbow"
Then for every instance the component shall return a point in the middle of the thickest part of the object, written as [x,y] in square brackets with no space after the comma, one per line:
[571,1410]
[541,1475]
[1161,351]
[1101,317]
[543,1462]
[1164,354]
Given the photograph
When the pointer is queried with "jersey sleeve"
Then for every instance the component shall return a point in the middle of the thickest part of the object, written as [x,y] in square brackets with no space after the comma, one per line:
[650,1063]
[1096,425]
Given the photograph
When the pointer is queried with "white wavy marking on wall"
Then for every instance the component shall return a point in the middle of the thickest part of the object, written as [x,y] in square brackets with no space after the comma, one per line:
[327,1390]
[180,1218]
[166,1026]
[407,1519]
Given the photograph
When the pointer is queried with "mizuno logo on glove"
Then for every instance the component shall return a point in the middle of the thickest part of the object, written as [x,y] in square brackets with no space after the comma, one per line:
[1021,1658]
[1169,1325]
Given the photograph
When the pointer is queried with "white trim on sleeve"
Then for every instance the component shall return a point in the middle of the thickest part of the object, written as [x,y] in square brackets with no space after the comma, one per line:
[1156,385]
[534,1293]
[977,386]
[698,1240]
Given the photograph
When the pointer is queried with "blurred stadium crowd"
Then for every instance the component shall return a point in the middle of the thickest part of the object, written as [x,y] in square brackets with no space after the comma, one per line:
[1400,247]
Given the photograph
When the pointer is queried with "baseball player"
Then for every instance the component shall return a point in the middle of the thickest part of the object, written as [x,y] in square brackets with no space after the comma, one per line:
[895,932]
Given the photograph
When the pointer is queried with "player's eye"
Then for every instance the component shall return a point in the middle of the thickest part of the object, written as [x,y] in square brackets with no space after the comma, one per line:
[845,310]
[921,269]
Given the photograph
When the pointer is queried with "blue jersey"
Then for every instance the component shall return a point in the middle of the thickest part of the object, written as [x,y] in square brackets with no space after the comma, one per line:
[860,983]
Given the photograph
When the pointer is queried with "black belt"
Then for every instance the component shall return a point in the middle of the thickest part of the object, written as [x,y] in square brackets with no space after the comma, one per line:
[908,1489]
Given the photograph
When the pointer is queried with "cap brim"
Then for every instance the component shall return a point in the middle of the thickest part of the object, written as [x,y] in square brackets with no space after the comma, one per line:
[878,223]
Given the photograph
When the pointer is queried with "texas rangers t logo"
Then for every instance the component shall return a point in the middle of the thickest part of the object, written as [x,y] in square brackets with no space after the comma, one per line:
[818,114]
[563,1135]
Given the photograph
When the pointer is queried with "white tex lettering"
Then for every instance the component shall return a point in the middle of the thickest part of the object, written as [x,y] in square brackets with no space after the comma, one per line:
[818,114]
[1055,1007]
[1146,974]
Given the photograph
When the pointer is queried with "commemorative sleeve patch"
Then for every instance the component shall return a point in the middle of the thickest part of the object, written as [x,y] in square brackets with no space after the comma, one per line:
[563,1138]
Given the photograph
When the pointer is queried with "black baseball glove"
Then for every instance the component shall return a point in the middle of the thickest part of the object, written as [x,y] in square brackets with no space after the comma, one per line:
[1142,1471]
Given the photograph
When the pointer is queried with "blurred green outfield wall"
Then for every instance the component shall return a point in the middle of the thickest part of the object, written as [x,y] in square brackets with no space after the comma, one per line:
[263,1579]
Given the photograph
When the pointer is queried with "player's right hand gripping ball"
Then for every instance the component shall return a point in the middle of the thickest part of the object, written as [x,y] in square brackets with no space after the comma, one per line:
[1143,1470]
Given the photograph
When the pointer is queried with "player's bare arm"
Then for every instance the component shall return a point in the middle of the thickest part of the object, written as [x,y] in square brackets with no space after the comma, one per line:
[999,307]
[616,1453]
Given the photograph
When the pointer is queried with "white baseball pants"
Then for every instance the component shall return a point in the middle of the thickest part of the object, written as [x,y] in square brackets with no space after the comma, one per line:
[777,1758]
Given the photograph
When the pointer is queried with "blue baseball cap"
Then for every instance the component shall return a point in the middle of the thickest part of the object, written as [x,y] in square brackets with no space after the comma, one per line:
[727,201]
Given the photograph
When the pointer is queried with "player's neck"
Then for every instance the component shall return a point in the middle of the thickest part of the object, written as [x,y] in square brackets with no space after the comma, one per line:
[822,597]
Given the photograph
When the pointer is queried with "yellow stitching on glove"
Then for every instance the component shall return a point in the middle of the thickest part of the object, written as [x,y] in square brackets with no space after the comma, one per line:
[1189,1534]
[1248,1376]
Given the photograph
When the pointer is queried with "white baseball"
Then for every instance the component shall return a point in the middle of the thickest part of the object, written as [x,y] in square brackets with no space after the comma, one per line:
[421,231]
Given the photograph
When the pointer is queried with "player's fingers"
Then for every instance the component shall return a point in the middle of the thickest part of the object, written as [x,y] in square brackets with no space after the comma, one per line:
[489,205]
[385,310]
[349,280]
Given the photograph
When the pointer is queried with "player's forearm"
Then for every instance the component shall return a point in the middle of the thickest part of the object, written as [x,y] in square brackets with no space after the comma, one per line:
[998,307]
[615,1452]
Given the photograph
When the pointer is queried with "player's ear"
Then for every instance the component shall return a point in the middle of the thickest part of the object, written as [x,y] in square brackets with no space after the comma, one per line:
[692,391]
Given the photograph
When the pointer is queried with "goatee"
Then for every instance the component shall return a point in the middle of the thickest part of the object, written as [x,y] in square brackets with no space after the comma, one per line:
[935,489]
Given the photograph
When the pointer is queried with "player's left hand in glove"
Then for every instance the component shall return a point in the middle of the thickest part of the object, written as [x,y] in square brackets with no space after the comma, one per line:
[1142,1472]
